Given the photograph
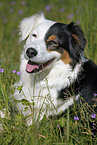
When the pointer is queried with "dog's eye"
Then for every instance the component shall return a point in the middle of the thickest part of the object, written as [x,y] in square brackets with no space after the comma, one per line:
[52,42]
[52,45]
[34,35]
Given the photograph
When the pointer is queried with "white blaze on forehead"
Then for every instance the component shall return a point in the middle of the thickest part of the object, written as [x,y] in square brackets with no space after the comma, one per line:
[42,28]
[27,25]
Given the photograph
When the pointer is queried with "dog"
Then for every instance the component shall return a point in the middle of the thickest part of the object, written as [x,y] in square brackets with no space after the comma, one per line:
[54,71]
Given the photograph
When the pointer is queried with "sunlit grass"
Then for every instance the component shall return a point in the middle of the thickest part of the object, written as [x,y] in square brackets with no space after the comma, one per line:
[48,131]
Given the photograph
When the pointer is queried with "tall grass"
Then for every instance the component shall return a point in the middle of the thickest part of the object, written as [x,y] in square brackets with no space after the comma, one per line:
[48,131]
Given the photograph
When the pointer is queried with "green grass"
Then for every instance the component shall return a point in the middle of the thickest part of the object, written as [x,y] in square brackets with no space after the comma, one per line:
[47,131]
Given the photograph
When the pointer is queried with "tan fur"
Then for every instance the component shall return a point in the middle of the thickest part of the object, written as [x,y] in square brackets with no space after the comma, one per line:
[66,58]
[52,37]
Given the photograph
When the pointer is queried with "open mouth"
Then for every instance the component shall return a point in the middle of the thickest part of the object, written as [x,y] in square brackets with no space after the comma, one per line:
[33,67]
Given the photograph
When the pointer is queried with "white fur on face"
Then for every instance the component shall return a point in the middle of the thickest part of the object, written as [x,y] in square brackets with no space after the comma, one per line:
[28,24]
[39,28]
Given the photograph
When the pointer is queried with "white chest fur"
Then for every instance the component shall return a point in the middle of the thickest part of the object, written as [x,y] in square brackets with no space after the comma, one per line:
[43,88]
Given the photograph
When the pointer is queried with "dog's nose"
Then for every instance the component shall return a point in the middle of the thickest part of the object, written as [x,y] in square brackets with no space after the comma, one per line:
[31,52]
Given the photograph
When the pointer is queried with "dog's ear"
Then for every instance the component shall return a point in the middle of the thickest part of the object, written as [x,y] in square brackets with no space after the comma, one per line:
[77,41]
[28,24]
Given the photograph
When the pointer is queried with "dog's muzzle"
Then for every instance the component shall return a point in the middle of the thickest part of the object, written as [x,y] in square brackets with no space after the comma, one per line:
[32,66]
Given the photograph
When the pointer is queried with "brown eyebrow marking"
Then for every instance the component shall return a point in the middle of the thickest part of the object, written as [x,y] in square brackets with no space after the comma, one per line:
[52,37]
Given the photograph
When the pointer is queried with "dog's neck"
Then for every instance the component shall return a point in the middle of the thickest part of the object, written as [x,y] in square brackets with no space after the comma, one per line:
[60,76]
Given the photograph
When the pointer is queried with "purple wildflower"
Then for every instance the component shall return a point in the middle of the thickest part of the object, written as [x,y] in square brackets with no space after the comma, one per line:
[1,60]
[3,16]
[95,95]
[93,115]
[13,3]
[5,21]
[78,22]
[1,70]
[61,10]
[14,71]
[76,118]
[94,124]
[48,8]
[20,12]
[11,11]
[77,138]
[70,16]
[92,133]
[58,125]
[18,73]
[23,3]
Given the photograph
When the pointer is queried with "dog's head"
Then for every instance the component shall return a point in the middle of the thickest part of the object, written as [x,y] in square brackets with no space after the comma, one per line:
[48,42]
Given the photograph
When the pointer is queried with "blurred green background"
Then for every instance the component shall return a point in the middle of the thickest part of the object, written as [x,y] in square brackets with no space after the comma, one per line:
[83,13]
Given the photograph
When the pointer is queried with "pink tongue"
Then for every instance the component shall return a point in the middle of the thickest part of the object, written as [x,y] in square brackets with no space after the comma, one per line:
[30,67]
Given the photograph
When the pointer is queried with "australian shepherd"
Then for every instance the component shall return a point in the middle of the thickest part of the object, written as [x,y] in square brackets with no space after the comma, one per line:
[54,71]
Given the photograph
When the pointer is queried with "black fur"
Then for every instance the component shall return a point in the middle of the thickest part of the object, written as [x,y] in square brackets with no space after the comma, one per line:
[64,34]
[85,84]
[71,38]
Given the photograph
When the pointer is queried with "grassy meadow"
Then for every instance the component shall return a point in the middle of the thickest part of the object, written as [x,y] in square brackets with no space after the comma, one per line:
[48,131]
